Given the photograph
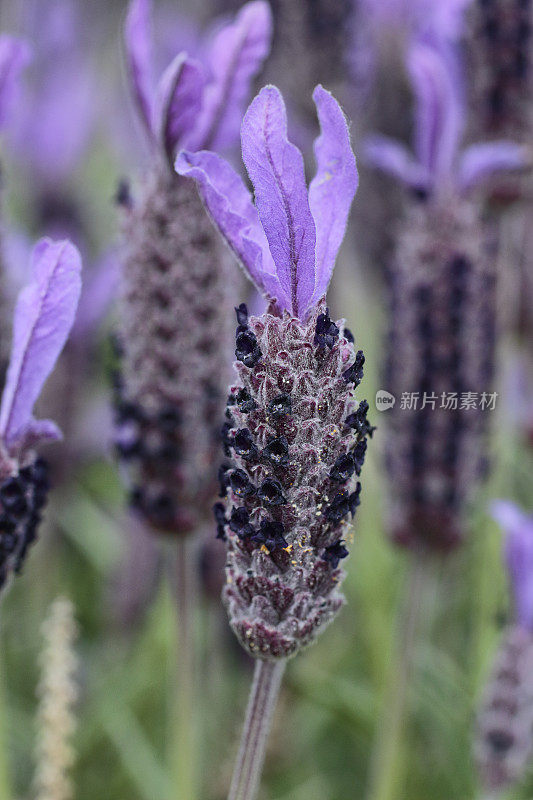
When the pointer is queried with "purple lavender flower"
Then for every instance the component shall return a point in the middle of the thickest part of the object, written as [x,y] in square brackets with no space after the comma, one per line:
[442,309]
[504,739]
[294,435]
[175,336]
[44,315]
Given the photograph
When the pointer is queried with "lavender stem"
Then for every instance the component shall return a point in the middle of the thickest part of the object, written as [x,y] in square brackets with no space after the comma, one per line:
[183,731]
[261,704]
[385,761]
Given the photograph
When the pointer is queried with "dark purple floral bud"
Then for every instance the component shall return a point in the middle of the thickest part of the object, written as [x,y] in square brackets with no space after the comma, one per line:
[271,493]
[358,420]
[247,349]
[326,331]
[280,406]
[242,315]
[270,535]
[240,522]
[354,374]
[334,553]
[277,452]
[240,484]
[44,315]
[243,444]
[245,401]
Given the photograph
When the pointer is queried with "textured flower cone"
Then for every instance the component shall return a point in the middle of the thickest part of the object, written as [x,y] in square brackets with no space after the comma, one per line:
[23,495]
[441,340]
[295,440]
[499,47]
[504,732]
[174,318]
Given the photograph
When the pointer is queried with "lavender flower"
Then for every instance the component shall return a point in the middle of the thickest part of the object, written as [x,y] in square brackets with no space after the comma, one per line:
[295,438]
[504,733]
[175,337]
[44,315]
[442,309]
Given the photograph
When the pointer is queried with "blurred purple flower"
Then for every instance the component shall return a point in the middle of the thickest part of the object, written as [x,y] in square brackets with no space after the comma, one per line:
[437,164]
[43,318]
[288,241]
[195,106]
[44,315]
[62,95]
[14,56]
[518,549]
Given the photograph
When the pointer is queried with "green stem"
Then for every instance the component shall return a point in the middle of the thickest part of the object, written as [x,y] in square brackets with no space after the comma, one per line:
[5,781]
[183,739]
[386,757]
[261,704]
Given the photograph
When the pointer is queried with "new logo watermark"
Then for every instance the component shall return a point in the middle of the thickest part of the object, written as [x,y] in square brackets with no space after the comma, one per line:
[384,400]
[449,401]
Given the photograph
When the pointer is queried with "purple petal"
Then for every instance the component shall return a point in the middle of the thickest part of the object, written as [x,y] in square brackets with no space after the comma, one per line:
[100,289]
[44,315]
[14,55]
[439,117]
[333,188]
[276,169]
[480,161]
[230,206]
[235,57]
[138,43]
[519,557]
[395,159]
[37,431]
[179,100]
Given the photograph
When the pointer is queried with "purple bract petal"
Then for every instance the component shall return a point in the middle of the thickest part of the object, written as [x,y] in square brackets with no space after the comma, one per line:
[276,169]
[480,161]
[44,315]
[138,43]
[14,55]
[392,157]
[333,188]
[439,118]
[230,206]
[235,57]
[519,557]
[179,100]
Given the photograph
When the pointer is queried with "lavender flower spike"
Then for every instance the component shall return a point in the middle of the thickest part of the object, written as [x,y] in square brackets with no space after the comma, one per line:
[44,315]
[504,733]
[441,339]
[295,438]
[175,337]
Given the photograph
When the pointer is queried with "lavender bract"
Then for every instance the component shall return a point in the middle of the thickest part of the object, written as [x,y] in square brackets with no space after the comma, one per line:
[14,55]
[295,438]
[175,338]
[44,315]
[504,738]
[440,347]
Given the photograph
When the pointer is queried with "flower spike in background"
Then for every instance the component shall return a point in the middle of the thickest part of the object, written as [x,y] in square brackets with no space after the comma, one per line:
[504,732]
[442,287]
[175,339]
[44,315]
[295,438]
